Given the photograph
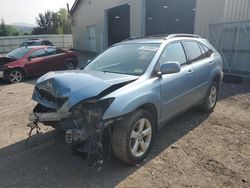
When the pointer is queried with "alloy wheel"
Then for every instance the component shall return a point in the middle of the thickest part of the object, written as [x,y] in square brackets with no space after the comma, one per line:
[140,137]
[212,96]
[70,66]
[15,76]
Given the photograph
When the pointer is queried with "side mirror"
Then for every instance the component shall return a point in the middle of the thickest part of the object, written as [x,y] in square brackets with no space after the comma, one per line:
[30,58]
[170,67]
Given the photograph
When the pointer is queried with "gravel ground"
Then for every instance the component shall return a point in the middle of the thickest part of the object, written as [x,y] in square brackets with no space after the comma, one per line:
[193,150]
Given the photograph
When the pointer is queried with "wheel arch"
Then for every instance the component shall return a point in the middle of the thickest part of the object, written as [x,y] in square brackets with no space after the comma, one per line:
[151,108]
[15,68]
[149,102]
[217,79]
[71,60]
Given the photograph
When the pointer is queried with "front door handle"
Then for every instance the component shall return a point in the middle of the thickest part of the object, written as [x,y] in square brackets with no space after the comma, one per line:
[190,72]
[211,63]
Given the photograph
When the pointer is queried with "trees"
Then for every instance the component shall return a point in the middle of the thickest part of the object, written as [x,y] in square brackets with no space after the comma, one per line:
[65,21]
[7,30]
[46,23]
[53,23]
[3,30]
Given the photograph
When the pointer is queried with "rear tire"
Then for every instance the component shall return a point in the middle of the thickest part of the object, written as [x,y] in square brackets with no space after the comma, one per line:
[14,76]
[210,99]
[133,137]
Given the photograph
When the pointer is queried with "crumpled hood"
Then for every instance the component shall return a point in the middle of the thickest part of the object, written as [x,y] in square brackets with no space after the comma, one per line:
[6,60]
[78,85]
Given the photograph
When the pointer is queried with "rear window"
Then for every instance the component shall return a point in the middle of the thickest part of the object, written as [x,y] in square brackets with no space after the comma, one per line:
[47,43]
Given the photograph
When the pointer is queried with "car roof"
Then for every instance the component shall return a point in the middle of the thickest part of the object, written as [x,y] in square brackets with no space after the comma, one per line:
[142,40]
[159,38]
[38,47]
[35,40]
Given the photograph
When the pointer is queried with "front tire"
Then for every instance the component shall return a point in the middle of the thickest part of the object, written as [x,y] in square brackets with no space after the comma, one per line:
[69,66]
[210,99]
[133,137]
[14,76]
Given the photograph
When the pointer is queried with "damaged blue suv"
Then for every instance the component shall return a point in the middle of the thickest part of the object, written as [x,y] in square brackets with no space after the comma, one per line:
[132,90]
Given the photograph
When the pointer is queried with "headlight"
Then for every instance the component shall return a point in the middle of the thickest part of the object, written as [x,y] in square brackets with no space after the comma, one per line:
[90,112]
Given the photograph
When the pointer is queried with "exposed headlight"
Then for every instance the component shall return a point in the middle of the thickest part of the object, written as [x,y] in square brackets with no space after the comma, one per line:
[90,112]
[46,95]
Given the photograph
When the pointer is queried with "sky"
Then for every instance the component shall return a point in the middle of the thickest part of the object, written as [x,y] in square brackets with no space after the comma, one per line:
[26,11]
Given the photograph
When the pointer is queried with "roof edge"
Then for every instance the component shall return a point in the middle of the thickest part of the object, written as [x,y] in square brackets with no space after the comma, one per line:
[75,5]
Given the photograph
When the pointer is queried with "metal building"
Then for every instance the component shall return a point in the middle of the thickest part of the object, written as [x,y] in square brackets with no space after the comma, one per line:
[99,23]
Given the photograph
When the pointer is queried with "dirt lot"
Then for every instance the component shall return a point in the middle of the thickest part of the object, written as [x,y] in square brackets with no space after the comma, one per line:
[194,150]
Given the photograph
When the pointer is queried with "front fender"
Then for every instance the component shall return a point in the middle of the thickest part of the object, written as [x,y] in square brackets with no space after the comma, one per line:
[131,98]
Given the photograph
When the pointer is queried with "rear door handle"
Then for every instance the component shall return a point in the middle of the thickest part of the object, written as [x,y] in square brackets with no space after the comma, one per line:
[190,72]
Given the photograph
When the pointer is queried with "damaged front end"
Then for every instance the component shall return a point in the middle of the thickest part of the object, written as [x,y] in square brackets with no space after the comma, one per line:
[83,122]
[87,120]
[84,125]
[76,107]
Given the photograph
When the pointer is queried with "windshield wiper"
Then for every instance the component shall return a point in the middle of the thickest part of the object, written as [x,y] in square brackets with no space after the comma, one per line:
[123,73]
[107,71]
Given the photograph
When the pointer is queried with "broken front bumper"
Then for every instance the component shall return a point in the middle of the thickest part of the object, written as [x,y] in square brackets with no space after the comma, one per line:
[48,117]
[72,134]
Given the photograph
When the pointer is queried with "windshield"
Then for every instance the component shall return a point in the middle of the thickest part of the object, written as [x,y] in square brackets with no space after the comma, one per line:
[131,59]
[19,53]
[31,43]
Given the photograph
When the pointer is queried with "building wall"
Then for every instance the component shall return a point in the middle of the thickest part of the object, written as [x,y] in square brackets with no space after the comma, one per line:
[207,12]
[219,11]
[236,10]
[94,13]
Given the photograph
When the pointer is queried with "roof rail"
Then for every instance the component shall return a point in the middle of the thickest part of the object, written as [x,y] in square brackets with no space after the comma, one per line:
[158,36]
[182,35]
[132,38]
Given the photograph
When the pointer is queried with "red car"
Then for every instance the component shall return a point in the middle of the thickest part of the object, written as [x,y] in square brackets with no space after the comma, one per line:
[36,60]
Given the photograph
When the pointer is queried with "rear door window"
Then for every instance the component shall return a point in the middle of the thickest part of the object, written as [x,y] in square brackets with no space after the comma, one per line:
[203,52]
[173,52]
[208,51]
[194,51]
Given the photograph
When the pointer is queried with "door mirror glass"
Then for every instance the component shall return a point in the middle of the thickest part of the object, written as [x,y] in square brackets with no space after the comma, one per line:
[170,67]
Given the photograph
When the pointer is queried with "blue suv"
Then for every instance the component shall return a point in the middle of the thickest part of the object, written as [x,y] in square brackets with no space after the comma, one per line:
[130,91]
